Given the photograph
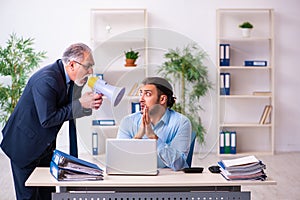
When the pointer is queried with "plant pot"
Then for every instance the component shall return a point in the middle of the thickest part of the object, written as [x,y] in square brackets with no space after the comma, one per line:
[130,63]
[246,32]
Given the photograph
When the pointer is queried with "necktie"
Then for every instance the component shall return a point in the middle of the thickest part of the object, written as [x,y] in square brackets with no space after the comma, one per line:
[72,127]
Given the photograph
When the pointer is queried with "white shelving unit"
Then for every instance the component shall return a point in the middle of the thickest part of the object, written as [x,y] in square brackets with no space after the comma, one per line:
[241,110]
[114,31]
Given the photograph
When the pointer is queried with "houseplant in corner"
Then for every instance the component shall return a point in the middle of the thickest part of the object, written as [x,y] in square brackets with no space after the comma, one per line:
[17,60]
[184,68]
[246,29]
[131,56]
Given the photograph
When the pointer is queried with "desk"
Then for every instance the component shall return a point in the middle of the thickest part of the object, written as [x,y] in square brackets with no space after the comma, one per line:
[168,185]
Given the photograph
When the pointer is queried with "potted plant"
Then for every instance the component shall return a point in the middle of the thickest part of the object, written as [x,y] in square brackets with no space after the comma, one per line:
[246,29]
[185,68]
[131,56]
[17,60]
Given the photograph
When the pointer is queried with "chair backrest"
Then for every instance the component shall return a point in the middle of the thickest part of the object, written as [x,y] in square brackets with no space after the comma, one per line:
[190,155]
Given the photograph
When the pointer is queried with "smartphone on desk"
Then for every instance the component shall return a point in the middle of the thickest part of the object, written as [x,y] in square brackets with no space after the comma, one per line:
[193,170]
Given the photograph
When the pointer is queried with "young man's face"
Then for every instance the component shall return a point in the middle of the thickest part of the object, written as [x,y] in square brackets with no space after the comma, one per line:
[148,96]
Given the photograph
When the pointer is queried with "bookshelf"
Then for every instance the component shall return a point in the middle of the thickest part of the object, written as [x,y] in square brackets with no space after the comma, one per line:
[251,87]
[114,31]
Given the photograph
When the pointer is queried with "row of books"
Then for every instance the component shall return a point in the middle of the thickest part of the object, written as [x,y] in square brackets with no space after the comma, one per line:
[228,142]
[244,168]
[224,53]
[135,90]
[225,83]
[266,115]
[65,167]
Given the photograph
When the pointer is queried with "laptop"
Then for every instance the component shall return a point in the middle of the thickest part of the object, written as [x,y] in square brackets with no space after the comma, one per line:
[131,157]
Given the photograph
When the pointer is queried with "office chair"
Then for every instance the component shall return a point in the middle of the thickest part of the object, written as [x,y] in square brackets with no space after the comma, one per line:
[190,155]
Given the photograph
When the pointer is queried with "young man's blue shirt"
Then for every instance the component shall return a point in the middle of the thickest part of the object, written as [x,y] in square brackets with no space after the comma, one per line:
[174,137]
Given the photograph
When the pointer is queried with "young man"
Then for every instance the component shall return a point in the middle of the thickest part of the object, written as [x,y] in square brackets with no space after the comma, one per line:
[29,137]
[157,120]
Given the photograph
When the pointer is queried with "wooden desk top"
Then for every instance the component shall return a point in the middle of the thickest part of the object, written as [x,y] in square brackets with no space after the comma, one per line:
[165,178]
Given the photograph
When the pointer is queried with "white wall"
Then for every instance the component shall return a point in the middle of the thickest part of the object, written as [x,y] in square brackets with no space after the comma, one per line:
[56,24]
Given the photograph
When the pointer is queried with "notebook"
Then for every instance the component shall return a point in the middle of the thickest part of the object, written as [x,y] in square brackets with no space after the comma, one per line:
[131,157]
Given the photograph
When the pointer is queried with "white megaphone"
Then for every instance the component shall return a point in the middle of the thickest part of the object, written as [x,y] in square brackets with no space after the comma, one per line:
[114,94]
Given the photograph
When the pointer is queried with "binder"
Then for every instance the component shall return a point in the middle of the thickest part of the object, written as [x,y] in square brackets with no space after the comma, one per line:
[257,63]
[101,76]
[95,143]
[226,142]
[227,83]
[222,84]
[104,122]
[233,142]
[222,142]
[267,119]
[69,175]
[224,54]
[68,162]
[266,115]
[135,107]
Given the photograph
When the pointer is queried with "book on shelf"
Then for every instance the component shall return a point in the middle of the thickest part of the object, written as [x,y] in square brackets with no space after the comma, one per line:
[266,115]
[227,142]
[224,54]
[133,89]
[262,93]
[255,63]
[66,167]
[135,107]
[104,122]
[244,168]
[225,83]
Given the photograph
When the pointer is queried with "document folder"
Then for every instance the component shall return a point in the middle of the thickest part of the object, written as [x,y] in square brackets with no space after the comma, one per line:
[224,54]
[222,84]
[67,164]
[69,175]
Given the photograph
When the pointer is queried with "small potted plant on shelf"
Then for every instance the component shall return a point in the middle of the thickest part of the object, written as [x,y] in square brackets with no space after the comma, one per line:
[246,28]
[131,56]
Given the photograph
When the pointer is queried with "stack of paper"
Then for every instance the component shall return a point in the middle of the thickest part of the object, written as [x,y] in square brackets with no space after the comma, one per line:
[65,167]
[245,168]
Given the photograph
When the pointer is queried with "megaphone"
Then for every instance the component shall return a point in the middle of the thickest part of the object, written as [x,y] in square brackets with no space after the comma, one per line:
[114,94]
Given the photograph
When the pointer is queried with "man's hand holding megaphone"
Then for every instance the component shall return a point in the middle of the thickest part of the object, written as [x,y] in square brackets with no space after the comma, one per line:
[91,100]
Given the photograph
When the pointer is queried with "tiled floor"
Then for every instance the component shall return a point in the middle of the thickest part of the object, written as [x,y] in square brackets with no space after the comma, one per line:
[282,167]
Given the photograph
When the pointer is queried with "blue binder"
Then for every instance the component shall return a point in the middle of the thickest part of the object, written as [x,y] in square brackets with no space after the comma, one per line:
[95,143]
[222,84]
[258,63]
[222,142]
[224,54]
[67,161]
[104,122]
[69,175]
[233,142]
[135,107]
[227,83]
[227,142]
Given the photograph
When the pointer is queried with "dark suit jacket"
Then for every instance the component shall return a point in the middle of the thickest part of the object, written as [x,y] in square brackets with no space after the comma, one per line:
[39,115]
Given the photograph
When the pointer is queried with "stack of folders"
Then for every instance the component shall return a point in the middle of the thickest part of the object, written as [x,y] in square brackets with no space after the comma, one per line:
[225,83]
[224,54]
[65,167]
[244,168]
[227,142]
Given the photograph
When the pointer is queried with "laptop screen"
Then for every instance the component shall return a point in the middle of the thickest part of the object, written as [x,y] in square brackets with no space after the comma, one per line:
[131,157]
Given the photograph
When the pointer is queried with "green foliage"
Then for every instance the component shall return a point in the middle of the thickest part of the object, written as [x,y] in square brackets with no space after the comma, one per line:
[131,54]
[185,67]
[17,60]
[246,25]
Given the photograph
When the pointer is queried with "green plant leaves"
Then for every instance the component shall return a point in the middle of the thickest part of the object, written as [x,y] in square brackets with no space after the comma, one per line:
[186,67]
[17,60]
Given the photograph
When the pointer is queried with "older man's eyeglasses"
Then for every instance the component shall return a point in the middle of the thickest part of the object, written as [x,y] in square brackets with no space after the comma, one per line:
[85,66]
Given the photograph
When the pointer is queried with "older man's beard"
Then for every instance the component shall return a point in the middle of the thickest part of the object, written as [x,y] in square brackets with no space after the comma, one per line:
[82,81]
